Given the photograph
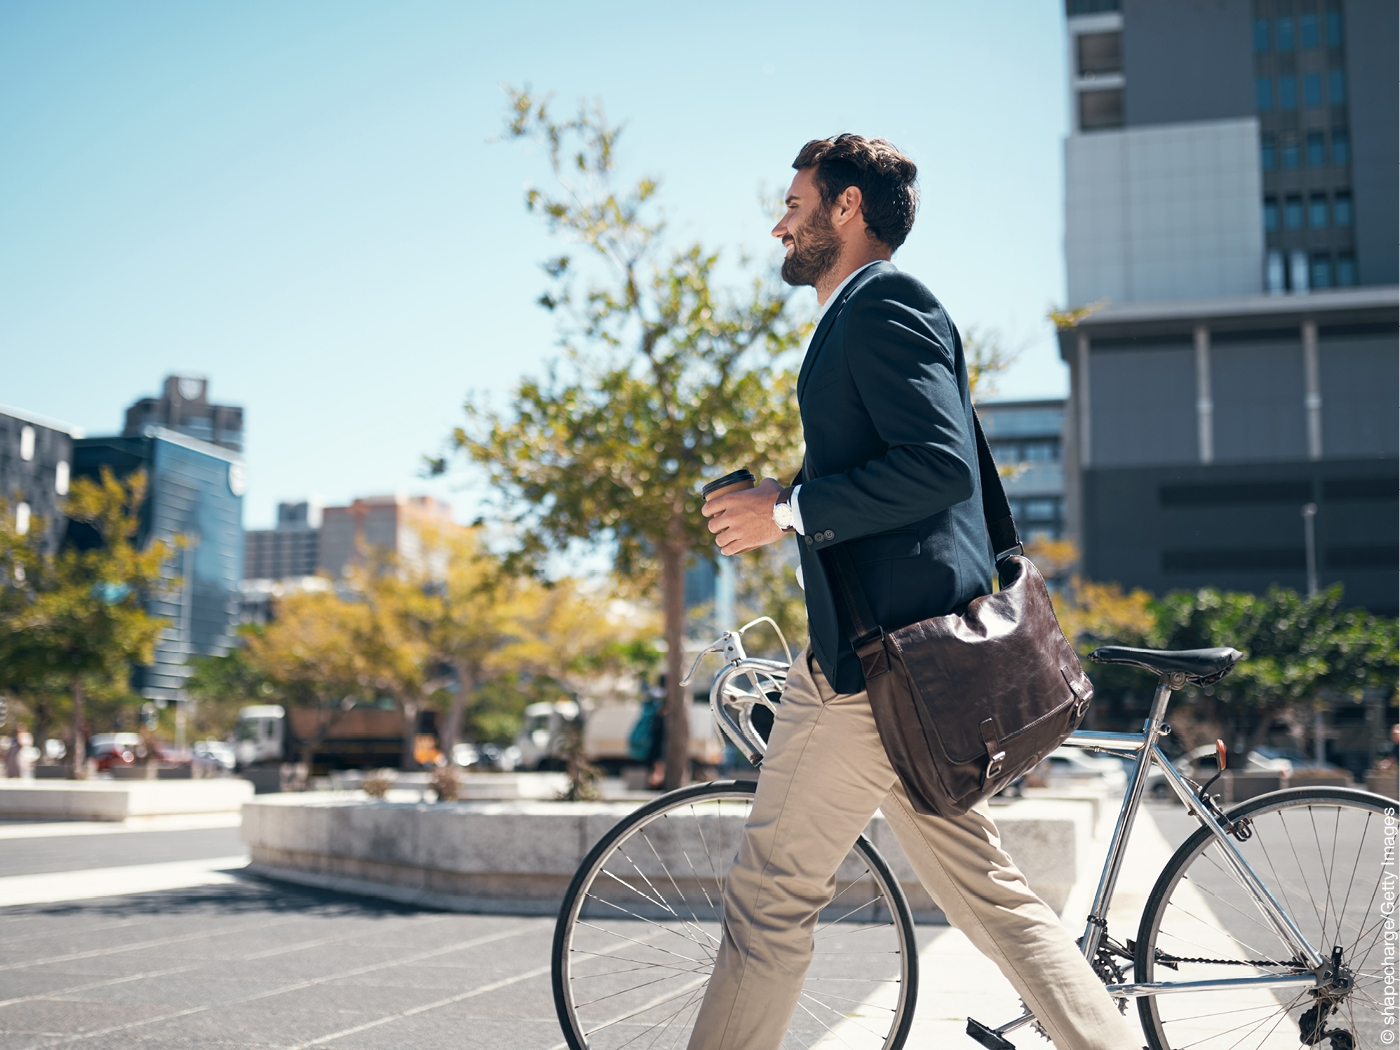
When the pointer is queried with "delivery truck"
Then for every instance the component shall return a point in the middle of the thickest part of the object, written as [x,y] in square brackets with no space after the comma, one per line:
[357,738]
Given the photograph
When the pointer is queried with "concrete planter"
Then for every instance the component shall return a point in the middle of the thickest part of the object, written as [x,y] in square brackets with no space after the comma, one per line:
[518,857]
[118,800]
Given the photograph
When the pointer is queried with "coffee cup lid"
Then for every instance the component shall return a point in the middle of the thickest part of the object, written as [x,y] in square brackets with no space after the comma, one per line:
[737,477]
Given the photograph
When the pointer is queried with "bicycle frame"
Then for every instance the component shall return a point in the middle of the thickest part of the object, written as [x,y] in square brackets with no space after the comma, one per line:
[1145,746]
[1124,745]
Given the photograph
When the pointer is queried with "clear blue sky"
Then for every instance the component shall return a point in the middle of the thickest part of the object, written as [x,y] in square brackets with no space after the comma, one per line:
[299,200]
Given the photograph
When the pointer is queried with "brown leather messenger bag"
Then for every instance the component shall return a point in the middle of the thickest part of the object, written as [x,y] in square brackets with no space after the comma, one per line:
[968,702]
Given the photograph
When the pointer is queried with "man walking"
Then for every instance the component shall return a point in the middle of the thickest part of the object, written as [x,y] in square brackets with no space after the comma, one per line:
[891,473]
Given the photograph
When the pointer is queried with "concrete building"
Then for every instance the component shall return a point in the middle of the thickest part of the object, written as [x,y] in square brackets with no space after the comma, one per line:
[36,459]
[184,407]
[1230,207]
[1026,439]
[291,549]
[394,525]
[196,492]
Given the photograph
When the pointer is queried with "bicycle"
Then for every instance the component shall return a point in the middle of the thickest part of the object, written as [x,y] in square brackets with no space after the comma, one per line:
[1265,929]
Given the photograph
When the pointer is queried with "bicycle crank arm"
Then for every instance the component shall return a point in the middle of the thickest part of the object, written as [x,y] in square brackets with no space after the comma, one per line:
[1133,991]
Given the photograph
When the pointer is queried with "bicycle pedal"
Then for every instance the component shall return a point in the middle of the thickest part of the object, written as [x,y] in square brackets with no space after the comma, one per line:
[988,1038]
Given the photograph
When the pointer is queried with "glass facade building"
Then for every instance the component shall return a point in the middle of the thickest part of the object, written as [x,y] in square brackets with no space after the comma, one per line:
[195,493]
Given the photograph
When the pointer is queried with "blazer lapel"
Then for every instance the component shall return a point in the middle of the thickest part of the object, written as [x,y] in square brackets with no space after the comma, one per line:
[828,319]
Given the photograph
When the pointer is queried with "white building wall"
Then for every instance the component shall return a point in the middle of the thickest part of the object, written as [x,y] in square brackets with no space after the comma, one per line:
[1170,211]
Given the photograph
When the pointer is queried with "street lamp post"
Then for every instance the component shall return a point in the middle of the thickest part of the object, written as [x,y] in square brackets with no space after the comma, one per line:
[1310,544]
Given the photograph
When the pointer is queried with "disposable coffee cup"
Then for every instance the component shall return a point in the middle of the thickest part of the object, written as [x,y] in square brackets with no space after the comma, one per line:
[739,479]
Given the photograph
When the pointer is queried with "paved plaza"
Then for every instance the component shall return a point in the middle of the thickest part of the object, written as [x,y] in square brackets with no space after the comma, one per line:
[208,957]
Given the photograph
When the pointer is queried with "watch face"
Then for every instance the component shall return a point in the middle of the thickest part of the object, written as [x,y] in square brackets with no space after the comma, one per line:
[782,515]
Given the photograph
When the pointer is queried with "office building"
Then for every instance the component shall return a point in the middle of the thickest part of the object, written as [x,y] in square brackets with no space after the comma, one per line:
[195,491]
[396,525]
[36,457]
[291,549]
[184,407]
[1026,439]
[1230,210]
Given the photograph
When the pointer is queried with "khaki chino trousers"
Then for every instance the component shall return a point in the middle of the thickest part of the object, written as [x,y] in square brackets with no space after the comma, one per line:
[825,775]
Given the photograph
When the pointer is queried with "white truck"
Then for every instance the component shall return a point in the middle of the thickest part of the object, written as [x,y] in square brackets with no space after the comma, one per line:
[606,730]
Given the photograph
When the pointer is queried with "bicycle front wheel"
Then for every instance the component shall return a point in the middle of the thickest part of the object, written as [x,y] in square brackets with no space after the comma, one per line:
[1319,852]
[640,925]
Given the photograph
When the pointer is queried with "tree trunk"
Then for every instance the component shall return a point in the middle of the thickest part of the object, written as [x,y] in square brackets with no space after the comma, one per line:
[456,714]
[677,705]
[77,754]
[409,708]
[1260,731]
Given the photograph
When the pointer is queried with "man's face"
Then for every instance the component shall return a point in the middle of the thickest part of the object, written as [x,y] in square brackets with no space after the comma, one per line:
[813,245]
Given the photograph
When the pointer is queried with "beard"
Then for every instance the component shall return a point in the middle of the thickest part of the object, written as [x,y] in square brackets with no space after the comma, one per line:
[816,249]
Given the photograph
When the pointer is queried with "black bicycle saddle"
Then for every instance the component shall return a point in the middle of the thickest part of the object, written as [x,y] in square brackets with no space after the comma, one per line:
[1201,666]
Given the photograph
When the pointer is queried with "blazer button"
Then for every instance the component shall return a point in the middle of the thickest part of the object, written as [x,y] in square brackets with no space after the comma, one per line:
[808,539]
[830,535]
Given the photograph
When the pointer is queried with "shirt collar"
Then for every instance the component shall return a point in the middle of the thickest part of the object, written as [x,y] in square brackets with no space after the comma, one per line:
[836,292]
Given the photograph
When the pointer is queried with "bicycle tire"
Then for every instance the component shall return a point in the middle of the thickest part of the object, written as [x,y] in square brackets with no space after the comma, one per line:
[873,1009]
[1302,842]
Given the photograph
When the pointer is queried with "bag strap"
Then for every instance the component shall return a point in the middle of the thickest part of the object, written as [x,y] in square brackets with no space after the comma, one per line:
[1001,529]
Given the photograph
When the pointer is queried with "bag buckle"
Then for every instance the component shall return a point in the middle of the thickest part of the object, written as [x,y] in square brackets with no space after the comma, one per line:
[995,755]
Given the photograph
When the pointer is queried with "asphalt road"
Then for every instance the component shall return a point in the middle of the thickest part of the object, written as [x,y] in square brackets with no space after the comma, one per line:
[76,853]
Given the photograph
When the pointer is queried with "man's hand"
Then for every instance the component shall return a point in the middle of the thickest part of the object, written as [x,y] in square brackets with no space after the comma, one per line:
[743,521]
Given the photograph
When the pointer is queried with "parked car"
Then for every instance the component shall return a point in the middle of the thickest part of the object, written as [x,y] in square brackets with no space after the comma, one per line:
[465,755]
[1199,765]
[115,749]
[214,751]
[1073,767]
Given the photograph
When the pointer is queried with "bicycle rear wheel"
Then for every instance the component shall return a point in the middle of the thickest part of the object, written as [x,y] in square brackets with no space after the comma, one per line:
[1319,852]
[639,927]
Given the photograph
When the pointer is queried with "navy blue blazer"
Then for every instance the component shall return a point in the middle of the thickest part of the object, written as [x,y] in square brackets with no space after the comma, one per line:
[891,465]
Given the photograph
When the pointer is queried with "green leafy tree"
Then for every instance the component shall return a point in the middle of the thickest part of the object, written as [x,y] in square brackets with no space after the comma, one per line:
[1298,651]
[77,618]
[668,377]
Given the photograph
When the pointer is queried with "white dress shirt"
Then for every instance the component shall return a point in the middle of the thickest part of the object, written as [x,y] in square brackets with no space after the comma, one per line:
[830,301]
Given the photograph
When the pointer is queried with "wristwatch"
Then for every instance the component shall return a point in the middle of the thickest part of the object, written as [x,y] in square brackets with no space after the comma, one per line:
[782,510]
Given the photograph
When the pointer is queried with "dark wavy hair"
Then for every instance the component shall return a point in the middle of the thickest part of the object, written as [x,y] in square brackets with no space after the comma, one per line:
[885,177]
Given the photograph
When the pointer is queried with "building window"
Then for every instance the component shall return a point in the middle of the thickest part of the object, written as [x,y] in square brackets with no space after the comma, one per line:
[1274,273]
[1287,92]
[1307,30]
[26,443]
[1341,146]
[22,519]
[1266,152]
[1334,29]
[1317,211]
[1293,213]
[1261,35]
[1341,208]
[1317,149]
[60,478]
[1090,7]
[1346,270]
[1100,109]
[1337,87]
[1263,94]
[1321,270]
[1099,53]
[1270,215]
[1290,152]
[1312,89]
[1285,34]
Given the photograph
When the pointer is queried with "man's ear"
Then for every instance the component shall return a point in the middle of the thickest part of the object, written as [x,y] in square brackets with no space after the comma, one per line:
[847,206]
